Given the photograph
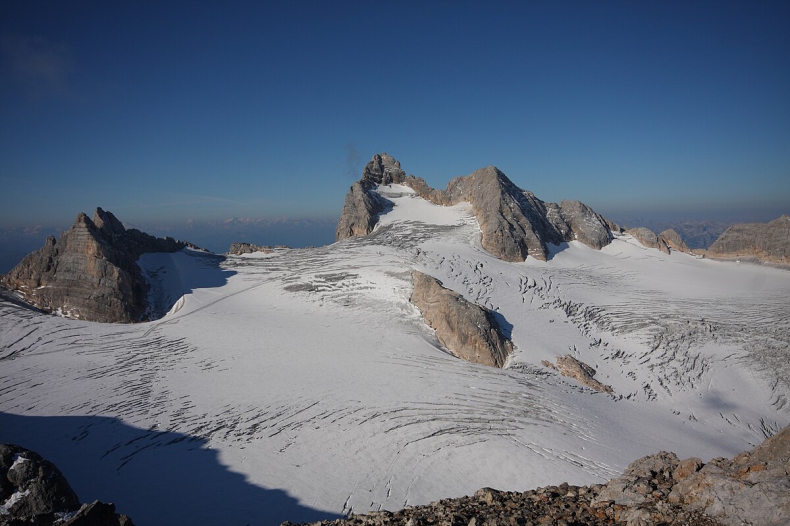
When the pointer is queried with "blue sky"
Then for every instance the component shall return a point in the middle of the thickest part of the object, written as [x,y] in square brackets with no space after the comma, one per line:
[162,112]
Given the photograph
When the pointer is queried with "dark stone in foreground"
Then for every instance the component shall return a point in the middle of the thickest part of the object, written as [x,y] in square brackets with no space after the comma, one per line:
[34,492]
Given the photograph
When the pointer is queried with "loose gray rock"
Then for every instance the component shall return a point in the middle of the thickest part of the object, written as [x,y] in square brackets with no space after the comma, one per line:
[769,243]
[90,272]
[752,488]
[467,330]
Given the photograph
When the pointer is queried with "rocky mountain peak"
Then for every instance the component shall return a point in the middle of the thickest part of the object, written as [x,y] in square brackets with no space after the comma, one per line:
[514,223]
[108,224]
[90,272]
[383,169]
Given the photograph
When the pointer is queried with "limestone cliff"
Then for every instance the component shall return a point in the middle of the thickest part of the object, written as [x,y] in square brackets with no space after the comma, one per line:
[90,272]
[514,223]
[766,242]
[467,330]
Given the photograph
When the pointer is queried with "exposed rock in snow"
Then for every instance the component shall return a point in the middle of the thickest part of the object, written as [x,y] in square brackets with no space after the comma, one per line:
[649,238]
[569,366]
[514,223]
[238,249]
[90,272]
[767,242]
[469,331]
[674,240]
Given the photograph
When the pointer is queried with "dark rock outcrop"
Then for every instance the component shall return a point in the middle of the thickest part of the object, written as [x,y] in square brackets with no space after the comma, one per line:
[766,242]
[514,223]
[90,272]
[33,491]
[753,488]
[467,330]
[238,249]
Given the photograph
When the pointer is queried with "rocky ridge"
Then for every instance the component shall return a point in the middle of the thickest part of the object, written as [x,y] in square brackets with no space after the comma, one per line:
[34,492]
[467,330]
[237,249]
[90,272]
[765,242]
[751,489]
[514,223]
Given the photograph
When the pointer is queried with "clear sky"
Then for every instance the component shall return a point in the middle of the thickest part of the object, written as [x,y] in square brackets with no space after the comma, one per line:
[162,112]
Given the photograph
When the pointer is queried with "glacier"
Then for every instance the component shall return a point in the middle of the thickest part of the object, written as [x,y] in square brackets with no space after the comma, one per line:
[302,384]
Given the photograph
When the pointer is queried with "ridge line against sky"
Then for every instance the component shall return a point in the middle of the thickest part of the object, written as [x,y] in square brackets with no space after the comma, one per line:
[170,111]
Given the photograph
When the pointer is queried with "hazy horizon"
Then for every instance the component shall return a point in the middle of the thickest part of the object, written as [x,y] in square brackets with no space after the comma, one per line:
[297,232]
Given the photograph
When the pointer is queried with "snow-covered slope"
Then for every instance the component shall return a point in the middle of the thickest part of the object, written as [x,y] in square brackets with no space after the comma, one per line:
[303,384]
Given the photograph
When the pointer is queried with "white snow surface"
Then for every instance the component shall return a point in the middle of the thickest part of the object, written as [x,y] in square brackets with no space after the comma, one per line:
[303,385]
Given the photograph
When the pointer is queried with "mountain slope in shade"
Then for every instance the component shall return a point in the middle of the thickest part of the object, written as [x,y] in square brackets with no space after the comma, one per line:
[303,384]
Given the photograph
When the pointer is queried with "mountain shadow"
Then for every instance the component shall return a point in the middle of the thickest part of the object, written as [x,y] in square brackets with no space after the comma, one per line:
[155,477]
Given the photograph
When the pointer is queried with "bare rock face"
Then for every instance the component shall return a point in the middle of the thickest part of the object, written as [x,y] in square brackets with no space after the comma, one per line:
[674,241]
[91,272]
[768,243]
[514,223]
[237,249]
[752,488]
[649,238]
[360,211]
[33,491]
[467,330]
[571,367]
[31,486]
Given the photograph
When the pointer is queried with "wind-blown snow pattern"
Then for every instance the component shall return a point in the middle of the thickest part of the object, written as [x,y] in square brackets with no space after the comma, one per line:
[302,384]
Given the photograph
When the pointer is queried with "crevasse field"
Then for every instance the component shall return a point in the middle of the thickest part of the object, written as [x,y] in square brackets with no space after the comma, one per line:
[302,384]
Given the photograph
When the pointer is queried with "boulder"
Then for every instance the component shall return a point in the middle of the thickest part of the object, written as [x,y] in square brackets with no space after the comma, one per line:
[32,486]
[752,488]
[34,492]
[467,330]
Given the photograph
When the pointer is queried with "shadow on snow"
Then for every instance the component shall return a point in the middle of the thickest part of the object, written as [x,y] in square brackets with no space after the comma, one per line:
[155,477]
